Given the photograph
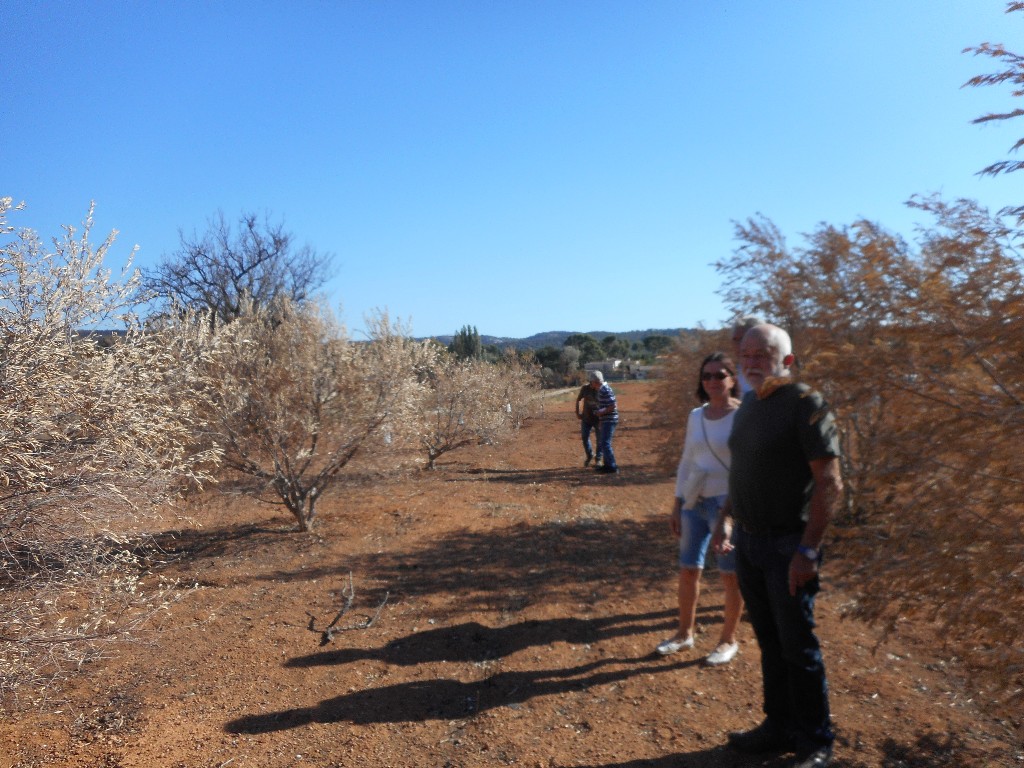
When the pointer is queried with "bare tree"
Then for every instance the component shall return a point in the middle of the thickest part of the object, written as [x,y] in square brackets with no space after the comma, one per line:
[296,400]
[90,439]
[224,271]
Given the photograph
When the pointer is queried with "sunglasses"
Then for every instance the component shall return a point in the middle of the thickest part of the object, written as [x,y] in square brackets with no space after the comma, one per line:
[720,376]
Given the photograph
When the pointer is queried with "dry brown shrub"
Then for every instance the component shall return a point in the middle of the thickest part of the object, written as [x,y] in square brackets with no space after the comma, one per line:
[296,400]
[920,350]
[468,402]
[518,380]
[675,388]
[91,439]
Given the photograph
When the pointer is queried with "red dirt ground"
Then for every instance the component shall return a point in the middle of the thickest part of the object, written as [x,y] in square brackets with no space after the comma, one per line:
[525,596]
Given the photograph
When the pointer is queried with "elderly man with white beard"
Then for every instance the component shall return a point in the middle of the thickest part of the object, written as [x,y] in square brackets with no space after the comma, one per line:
[784,483]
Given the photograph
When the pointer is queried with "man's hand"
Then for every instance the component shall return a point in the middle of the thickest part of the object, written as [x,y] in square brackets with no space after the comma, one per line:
[828,488]
[801,570]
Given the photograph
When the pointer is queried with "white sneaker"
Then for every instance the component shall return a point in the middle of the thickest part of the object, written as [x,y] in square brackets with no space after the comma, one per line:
[723,654]
[673,644]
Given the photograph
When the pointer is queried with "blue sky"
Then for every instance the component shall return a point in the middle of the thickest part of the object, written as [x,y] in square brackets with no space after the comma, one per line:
[518,166]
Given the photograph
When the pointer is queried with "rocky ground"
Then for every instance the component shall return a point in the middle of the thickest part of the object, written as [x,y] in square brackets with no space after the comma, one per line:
[516,599]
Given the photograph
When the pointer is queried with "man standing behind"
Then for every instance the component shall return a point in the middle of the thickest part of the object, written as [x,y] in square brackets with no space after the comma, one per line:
[588,423]
[784,482]
[608,416]
[739,329]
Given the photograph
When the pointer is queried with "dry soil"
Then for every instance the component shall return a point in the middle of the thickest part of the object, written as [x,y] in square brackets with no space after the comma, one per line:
[516,600]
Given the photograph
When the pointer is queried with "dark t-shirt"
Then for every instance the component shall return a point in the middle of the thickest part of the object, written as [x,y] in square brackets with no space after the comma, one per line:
[772,442]
[589,398]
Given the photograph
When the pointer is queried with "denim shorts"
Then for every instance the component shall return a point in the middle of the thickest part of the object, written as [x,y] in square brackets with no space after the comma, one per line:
[696,526]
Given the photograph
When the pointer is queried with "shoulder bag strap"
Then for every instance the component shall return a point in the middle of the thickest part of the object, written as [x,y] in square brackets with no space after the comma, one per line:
[705,428]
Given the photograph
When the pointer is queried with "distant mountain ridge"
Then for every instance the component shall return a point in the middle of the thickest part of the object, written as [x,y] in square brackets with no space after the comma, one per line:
[557,338]
[106,337]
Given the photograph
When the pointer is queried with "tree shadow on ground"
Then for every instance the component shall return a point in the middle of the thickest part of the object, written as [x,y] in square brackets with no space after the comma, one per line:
[475,642]
[570,476]
[578,556]
[215,542]
[506,569]
[447,699]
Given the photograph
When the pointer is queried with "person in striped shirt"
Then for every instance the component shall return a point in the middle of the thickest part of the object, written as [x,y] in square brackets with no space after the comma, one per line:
[608,413]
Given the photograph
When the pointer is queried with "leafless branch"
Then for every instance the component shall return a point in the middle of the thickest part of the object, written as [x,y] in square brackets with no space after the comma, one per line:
[348,593]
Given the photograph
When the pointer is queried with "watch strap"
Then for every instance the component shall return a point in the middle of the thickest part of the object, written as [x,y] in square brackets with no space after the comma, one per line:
[809,552]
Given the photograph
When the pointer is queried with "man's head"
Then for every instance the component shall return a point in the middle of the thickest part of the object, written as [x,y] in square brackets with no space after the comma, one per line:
[596,379]
[766,350]
[740,327]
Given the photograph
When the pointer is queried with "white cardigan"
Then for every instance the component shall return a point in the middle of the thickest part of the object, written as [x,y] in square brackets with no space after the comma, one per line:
[697,454]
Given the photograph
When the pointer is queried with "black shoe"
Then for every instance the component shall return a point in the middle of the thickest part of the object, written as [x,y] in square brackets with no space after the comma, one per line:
[606,470]
[763,738]
[817,758]
[586,461]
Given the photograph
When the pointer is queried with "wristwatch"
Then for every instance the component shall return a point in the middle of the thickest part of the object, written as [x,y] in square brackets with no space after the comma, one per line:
[809,552]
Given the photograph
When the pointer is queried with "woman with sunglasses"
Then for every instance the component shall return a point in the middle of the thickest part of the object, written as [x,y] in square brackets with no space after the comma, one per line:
[701,488]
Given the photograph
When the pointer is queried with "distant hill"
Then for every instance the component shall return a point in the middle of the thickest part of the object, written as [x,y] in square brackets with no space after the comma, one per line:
[557,338]
[106,338]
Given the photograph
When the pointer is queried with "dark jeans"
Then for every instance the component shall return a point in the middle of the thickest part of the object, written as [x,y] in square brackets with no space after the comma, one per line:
[585,430]
[605,430]
[795,688]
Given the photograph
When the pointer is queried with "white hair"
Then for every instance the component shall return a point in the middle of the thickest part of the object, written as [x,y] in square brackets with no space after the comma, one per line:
[776,339]
[746,322]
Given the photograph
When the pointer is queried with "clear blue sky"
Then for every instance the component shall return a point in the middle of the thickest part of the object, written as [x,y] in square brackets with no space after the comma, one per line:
[518,166]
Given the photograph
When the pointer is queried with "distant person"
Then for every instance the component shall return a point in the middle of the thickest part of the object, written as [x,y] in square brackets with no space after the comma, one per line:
[784,483]
[739,328]
[589,422]
[607,413]
[702,482]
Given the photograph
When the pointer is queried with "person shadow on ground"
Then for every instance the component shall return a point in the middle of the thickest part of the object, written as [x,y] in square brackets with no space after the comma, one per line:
[444,698]
[474,642]
[447,699]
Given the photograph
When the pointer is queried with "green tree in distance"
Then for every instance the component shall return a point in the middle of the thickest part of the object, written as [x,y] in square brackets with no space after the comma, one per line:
[466,344]
[657,343]
[590,349]
[615,347]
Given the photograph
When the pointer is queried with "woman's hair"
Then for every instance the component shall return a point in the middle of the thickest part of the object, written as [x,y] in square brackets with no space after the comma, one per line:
[727,364]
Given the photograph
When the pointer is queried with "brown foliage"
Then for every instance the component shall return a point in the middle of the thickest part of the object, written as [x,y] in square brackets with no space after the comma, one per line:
[675,388]
[920,350]
[1012,74]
